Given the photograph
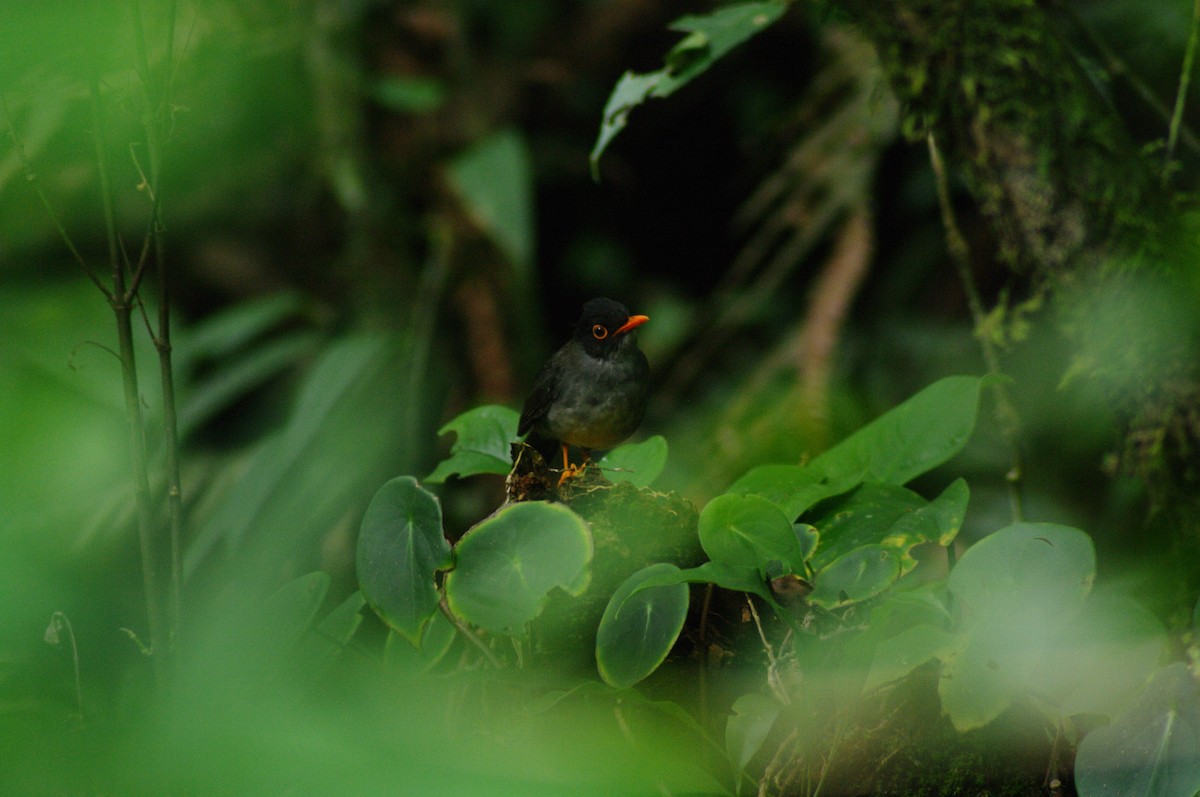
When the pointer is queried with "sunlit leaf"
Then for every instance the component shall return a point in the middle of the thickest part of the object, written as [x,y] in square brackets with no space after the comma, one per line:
[639,627]
[400,549]
[636,463]
[483,436]
[506,566]
[709,38]
[750,531]
[1152,749]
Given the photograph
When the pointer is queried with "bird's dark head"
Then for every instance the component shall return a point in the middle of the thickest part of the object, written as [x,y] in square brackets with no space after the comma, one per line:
[605,327]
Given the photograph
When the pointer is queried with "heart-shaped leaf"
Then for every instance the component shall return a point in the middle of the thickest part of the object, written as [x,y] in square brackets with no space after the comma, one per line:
[750,531]
[856,576]
[639,627]
[483,437]
[753,716]
[1018,589]
[506,566]
[400,549]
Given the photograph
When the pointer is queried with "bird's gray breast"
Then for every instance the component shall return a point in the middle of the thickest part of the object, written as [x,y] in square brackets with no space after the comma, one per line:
[602,403]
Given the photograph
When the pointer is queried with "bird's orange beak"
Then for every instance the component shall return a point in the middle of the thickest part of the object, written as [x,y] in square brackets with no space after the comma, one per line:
[631,322]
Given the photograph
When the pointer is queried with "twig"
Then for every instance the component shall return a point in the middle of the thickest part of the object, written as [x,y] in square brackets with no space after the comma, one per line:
[470,635]
[156,98]
[1006,413]
[32,178]
[59,622]
[1185,79]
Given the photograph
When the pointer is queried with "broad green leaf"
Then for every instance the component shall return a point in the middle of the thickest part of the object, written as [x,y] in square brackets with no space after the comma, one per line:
[230,330]
[483,437]
[284,616]
[340,625]
[918,435]
[863,517]
[856,576]
[709,38]
[495,181]
[739,579]
[808,537]
[639,627]
[1105,655]
[793,488]
[636,463]
[506,566]
[1018,589]
[1152,749]
[400,549]
[753,716]
[436,640]
[206,397]
[750,531]
[897,656]
[939,521]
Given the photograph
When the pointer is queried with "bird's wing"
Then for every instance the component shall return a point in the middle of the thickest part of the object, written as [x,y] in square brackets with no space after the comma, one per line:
[545,389]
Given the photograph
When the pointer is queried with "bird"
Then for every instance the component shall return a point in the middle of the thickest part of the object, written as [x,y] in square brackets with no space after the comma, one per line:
[592,392]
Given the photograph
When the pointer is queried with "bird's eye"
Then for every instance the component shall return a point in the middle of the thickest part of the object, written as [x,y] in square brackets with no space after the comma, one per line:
[599,332]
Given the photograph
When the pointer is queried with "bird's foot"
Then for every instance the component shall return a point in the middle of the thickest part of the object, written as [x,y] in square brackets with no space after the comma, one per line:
[571,471]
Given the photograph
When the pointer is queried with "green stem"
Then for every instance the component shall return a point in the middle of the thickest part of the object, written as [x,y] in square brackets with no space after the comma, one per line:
[1006,412]
[155,123]
[121,302]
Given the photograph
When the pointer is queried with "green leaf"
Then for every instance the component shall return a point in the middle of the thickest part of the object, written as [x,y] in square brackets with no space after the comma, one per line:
[284,616]
[409,94]
[436,640]
[739,579]
[400,549]
[792,488]
[229,330]
[808,537]
[750,531]
[215,392]
[1018,589]
[938,521]
[495,181]
[1109,650]
[709,38]
[856,576]
[863,517]
[897,656]
[910,439]
[639,627]
[506,566]
[483,437]
[636,463]
[1151,749]
[753,716]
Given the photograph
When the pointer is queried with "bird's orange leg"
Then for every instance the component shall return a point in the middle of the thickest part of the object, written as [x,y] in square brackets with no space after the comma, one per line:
[570,471]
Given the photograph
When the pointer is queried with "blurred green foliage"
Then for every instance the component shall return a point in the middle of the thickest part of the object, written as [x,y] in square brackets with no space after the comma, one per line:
[378,215]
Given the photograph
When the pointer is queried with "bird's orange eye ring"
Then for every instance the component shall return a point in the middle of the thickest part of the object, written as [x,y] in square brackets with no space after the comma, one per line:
[599,332]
